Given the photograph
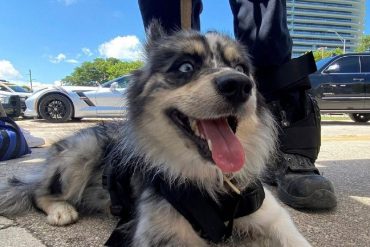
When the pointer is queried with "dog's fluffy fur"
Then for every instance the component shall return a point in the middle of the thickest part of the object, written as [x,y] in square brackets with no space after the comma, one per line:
[72,175]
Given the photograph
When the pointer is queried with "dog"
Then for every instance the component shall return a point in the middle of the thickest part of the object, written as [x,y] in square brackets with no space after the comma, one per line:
[195,118]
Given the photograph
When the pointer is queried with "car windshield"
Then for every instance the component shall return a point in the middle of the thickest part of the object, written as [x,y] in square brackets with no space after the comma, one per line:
[322,62]
[18,89]
[121,82]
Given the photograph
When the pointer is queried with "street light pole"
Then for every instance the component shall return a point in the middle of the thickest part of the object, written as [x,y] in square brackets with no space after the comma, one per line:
[30,73]
[341,39]
[344,46]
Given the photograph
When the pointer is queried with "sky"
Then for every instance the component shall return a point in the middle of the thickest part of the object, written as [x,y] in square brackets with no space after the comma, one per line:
[52,37]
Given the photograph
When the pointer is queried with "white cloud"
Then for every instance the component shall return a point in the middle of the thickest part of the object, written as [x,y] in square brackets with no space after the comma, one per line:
[87,51]
[62,58]
[8,72]
[122,47]
[36,85]
[72,61]
[67,2]
[57,59]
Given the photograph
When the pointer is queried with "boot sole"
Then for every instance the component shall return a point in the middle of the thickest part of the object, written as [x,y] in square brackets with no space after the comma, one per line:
[320,199]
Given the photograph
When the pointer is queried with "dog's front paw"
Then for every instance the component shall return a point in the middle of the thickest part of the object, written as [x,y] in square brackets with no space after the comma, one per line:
[61,213]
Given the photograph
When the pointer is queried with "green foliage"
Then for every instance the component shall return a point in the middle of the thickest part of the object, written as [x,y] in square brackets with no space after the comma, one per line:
[100,70]
[323,53]
[364,44]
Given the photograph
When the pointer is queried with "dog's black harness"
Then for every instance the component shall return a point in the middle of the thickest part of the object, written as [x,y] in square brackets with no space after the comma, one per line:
[213,221]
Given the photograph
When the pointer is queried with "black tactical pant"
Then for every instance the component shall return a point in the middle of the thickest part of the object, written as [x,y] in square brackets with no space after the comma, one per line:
[261,25]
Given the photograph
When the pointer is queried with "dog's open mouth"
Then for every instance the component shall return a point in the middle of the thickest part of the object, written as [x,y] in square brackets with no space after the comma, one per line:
[215,139]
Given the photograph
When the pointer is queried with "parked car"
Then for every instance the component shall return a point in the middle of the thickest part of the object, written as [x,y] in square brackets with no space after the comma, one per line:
[62,103]
[13,89]
[11,104]
[341,84]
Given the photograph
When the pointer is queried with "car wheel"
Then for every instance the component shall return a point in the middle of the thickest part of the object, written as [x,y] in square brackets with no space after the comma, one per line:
[55,108]
[360,117]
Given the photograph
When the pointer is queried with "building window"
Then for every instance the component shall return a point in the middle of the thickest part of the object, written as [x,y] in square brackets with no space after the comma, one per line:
[323,4]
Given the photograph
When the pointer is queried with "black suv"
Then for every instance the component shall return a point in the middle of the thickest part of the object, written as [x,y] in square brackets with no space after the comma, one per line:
[341,84]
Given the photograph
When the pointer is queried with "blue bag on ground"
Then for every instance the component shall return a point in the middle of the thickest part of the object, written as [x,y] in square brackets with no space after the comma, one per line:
[12,142]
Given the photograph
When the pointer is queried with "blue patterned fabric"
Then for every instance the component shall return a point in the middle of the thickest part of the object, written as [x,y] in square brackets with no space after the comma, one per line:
[12,142]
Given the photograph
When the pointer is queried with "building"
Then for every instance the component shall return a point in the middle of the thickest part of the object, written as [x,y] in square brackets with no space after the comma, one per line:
[325,24]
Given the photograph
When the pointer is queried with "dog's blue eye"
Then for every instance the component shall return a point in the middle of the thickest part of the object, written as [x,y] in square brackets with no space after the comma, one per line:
[186,67]
[239,68]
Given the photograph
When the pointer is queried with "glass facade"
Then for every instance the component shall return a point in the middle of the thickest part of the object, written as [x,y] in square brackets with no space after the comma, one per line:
[328,24]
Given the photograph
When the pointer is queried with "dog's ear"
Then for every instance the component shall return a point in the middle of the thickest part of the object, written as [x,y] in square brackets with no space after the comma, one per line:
[155,32]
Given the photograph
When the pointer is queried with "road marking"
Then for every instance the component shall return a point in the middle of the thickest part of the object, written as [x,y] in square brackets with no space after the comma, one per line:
[346,138]
[362,199]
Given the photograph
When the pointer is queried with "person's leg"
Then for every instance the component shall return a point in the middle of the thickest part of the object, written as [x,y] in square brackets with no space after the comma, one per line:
[262,27]
[168,13]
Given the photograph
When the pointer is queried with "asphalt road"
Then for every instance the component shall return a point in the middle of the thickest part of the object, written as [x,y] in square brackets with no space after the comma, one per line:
[344,159]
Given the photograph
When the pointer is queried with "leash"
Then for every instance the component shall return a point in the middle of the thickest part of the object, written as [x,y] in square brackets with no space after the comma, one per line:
[186,9]
[213,227]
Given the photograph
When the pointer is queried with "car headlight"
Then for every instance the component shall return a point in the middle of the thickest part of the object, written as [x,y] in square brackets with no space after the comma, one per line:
[4,99]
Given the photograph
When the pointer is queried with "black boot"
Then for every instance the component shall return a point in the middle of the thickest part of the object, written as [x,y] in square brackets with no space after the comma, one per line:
[299,183]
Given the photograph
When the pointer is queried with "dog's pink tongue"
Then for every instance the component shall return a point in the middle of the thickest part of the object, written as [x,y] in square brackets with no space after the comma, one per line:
[227,151]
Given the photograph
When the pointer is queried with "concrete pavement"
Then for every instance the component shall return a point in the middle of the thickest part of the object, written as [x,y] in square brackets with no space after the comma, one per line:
[344,159]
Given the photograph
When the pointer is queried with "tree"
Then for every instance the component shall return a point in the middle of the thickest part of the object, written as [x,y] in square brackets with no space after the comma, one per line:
[364,44]
[100,70]
[122,68]
[323,53]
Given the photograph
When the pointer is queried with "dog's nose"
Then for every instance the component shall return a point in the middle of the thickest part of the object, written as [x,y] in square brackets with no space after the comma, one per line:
[235,88]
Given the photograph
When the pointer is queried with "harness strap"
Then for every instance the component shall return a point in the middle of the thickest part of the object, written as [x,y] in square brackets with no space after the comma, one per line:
[108,181]
[213,220]
[118,186]
[207,216]
[196,209]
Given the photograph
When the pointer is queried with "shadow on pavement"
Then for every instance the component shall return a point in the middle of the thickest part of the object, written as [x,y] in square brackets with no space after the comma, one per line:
[350,177]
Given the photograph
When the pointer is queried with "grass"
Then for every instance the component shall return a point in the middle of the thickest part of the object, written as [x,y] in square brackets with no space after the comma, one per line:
[335,117]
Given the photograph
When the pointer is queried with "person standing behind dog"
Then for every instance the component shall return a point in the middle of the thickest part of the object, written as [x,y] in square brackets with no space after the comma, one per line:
[262,27]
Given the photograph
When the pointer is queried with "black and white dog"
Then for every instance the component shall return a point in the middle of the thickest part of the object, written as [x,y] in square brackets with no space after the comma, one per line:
[195,119]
